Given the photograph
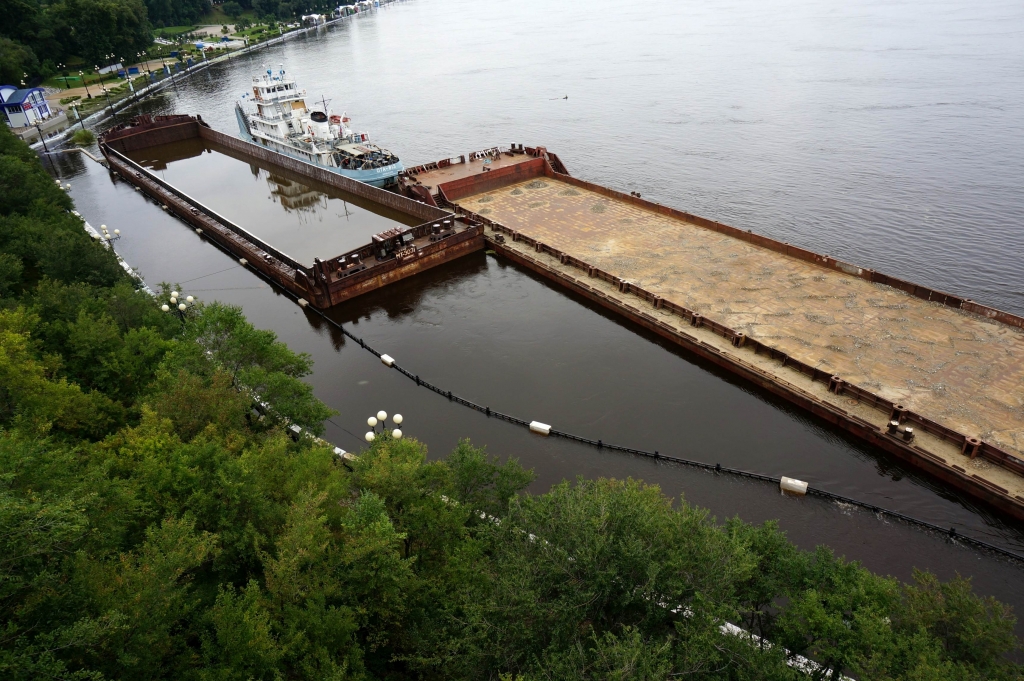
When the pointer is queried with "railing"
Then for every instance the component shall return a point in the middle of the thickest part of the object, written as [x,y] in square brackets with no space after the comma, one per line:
[260,117]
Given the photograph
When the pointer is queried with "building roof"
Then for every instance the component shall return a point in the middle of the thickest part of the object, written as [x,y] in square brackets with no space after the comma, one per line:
[19,96]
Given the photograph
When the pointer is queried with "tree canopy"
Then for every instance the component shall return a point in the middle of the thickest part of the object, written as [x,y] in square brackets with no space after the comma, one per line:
[156,521]
[36,36]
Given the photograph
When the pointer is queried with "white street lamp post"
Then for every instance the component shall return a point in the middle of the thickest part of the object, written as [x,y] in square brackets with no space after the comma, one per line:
[181,306]
[381,419]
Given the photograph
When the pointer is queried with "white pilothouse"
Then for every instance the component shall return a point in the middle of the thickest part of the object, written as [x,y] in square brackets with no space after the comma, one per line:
[276,116]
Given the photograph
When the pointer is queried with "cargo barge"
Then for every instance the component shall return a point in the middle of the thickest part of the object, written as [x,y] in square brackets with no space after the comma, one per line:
[932,378]
[392,255]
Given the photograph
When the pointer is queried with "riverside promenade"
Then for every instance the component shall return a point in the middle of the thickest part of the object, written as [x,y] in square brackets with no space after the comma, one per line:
[934,378]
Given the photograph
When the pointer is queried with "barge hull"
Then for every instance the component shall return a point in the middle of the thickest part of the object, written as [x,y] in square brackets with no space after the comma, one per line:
[494,196]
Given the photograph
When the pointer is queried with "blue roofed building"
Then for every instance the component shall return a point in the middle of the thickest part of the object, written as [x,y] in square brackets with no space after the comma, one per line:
[24,107]
[29,114]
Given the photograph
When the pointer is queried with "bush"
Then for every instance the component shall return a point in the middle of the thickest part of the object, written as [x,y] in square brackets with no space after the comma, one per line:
[83,138]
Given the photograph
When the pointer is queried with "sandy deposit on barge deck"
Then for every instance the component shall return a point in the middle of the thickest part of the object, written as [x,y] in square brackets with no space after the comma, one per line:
[959,369]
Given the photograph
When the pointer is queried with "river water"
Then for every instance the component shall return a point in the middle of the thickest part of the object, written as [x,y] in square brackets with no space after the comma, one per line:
[887,134]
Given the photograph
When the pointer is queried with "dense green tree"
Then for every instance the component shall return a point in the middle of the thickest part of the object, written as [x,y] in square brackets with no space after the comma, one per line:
[35,36]
[176,12]
[29,32]
[220,339]
[38,230]
[16,60]
[11,269]
[574,570]
[102,27]
[267,8]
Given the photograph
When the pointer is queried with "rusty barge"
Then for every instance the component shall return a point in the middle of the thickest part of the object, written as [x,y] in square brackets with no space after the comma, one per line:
[935,379]
[392,255]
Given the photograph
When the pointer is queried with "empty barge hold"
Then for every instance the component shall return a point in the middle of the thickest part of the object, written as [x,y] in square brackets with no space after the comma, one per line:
[933,378]
[392,255]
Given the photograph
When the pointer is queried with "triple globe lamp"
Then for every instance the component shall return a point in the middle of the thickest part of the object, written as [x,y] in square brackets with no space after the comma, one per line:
[381,418]
[181,305]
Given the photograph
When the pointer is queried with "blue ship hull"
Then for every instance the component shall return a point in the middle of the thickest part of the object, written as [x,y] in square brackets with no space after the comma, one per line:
[377,177]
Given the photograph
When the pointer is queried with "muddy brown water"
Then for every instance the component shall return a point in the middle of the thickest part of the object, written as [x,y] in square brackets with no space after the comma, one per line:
[889,136]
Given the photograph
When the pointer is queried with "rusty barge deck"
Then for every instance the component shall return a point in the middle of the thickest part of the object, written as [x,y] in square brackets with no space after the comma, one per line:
[933,378]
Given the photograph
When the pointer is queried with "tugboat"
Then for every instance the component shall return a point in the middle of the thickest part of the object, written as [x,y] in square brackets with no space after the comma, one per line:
[276,116]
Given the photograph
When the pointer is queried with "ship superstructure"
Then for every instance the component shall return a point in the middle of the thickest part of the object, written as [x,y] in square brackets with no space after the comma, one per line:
[276,116]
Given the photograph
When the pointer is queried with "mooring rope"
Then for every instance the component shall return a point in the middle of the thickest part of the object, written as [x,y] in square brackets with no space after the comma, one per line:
[235,267]
[950,532]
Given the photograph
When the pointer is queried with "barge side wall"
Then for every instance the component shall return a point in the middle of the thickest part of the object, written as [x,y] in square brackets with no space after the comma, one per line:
[206,225]
[295,277]
[470,241]
[153,134]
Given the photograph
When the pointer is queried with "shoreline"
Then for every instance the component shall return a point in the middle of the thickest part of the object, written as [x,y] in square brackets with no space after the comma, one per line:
[105,113]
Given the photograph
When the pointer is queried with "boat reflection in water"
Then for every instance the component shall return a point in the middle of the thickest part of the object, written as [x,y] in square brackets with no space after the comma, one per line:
[296,197]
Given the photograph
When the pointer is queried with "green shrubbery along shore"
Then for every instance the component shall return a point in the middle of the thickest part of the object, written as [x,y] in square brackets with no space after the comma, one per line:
[154,525]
